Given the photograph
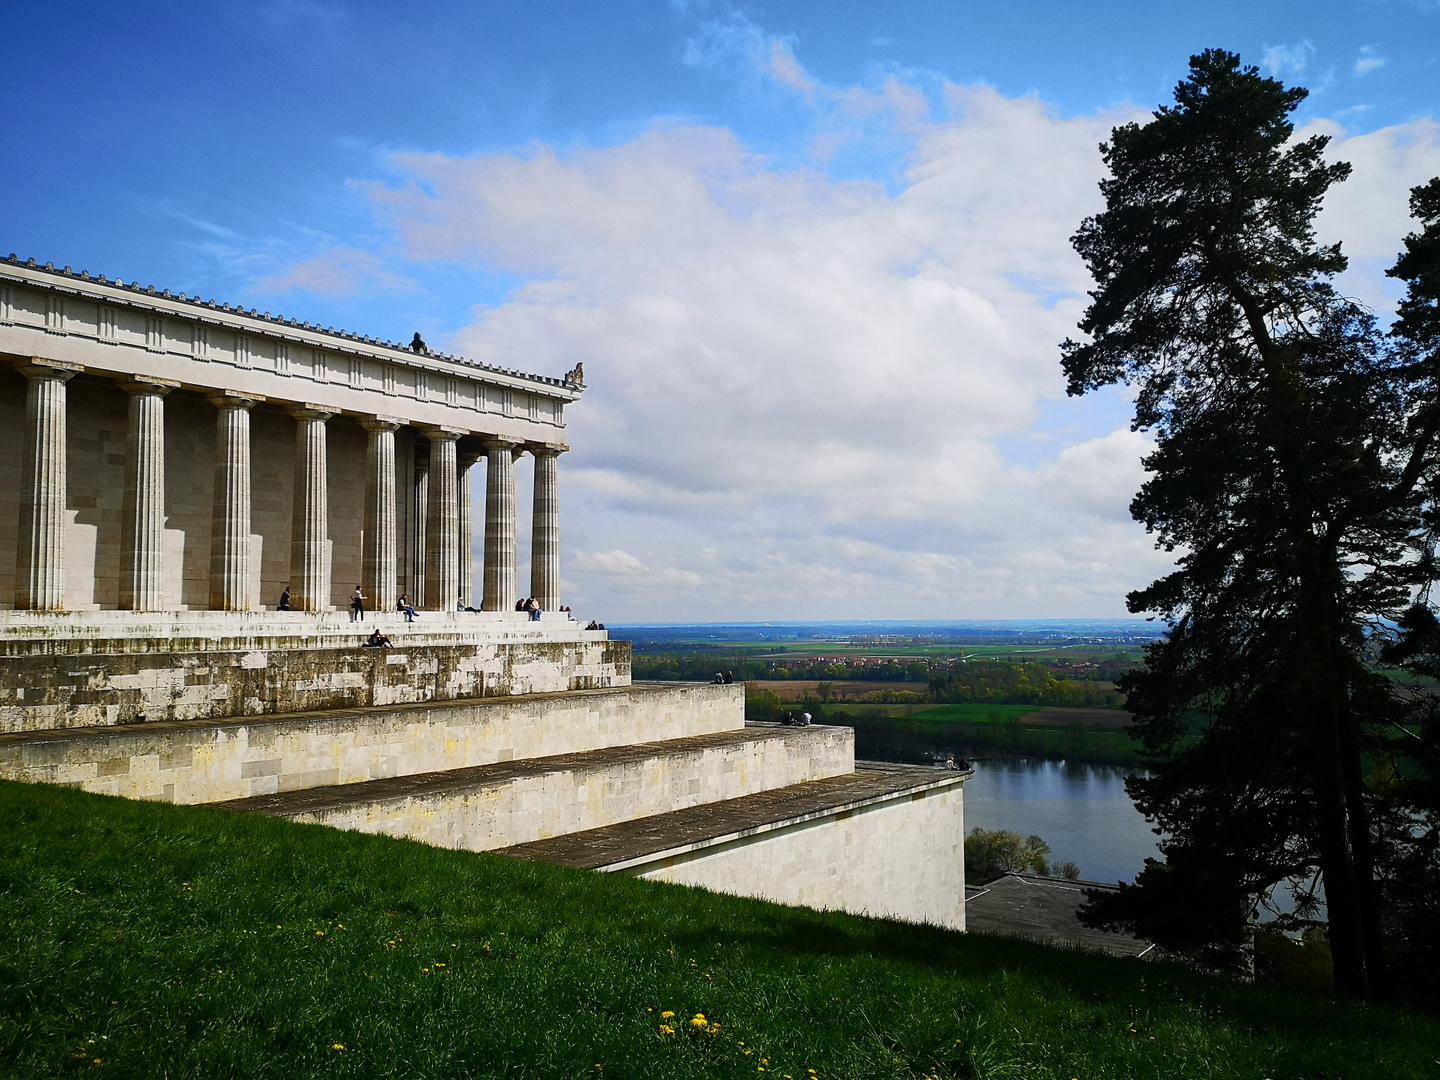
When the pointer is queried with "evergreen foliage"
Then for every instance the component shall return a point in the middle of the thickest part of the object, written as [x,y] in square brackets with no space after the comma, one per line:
[1294,453]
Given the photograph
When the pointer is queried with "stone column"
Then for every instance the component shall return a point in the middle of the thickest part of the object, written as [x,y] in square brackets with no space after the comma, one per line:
[464,463]
[40,558]
[545,527]
[309,527]
[422,513]
[380,555]
[142,518]
[230,527]
[442,531]
[500,525]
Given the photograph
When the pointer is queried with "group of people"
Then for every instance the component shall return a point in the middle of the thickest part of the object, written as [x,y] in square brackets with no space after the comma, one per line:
[378,640]
[791,720]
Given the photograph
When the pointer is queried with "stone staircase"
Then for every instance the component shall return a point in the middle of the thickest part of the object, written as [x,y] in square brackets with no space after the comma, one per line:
[661,780]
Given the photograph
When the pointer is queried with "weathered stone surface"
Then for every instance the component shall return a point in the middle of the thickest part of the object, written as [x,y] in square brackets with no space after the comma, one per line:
[886,840]
[492,806]
[39,692]
[210,761]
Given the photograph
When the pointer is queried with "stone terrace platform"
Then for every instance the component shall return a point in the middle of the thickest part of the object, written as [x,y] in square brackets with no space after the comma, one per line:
[101,669]
[885,838]
[493,806]
[196,761]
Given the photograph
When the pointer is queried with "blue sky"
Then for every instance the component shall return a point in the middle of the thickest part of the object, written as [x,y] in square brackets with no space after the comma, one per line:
[685,195]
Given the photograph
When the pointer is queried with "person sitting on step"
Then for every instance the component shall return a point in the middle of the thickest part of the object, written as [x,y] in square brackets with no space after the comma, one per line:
[404,605]
[376,640]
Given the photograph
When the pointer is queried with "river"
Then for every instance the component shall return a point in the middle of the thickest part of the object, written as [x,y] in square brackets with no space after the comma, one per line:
[1081,811]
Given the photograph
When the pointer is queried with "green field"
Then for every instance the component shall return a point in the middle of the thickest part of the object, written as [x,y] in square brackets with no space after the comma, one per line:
[145,940]
[973,714]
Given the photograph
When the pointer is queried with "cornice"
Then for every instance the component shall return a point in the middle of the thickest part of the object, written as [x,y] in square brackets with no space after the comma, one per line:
[148,298]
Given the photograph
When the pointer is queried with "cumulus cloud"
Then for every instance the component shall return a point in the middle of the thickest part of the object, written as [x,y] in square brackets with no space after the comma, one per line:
[1370,213]
[804,390]
[338,272]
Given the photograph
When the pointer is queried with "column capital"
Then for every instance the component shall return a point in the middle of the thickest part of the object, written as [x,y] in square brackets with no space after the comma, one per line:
[148,384]
[469,458]
[495,442]
[382,423]
[233,399]
[38,367]
[441,434]
[546,449]
[307,411]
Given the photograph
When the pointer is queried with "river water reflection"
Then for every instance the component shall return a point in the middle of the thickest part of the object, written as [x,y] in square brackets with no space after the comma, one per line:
[1081,811]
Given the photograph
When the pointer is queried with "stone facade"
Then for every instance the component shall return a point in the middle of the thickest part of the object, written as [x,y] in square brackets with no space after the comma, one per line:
[119,411]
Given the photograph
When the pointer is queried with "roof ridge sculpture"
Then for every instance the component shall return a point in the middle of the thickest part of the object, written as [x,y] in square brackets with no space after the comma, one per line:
[347,335]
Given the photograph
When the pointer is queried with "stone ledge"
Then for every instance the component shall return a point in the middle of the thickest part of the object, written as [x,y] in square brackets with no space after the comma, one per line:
[499,805]
[642,845]
[74,633]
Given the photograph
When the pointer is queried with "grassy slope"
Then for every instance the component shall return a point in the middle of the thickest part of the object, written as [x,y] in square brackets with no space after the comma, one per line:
[171,941]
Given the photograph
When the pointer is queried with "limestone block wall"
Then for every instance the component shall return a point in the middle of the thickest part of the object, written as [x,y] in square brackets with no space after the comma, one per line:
[902,858]
[203,761]
[495,807]
[39,692]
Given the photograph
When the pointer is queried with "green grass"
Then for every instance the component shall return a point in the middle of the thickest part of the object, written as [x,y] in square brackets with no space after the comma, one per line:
[175,942]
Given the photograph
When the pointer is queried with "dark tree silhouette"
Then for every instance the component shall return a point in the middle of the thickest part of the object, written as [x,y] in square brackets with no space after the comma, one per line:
[1294,451]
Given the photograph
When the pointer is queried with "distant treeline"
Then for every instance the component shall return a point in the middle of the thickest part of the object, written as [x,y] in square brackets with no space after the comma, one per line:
[989,682]
[926,742]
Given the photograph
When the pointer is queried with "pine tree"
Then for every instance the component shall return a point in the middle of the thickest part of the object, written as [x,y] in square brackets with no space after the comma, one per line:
[1293,452]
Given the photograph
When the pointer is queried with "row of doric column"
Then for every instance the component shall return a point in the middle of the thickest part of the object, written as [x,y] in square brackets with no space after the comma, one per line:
[444,524]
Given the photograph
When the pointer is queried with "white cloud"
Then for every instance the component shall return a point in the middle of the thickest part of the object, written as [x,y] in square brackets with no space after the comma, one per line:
[1369,60]
[1370,213]
[1287,60]
[337,272]
[804,391]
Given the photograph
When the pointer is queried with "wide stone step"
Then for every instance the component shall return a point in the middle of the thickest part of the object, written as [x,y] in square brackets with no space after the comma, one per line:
[886,840]
[208,761]
[494,806]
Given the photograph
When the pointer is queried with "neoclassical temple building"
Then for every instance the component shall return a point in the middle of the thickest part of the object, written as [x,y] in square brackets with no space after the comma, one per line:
[168,467]
[161,453]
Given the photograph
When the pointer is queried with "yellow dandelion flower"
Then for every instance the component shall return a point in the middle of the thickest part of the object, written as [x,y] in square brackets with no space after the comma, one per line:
[319,933]
[337,1046]
[667,1014]
[698,1022]
[666,1029]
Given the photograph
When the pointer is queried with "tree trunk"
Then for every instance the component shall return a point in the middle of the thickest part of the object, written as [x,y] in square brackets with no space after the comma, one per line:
[1342,824]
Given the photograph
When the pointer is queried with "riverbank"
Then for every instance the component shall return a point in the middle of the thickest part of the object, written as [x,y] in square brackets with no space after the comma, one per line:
[924,734]
[150,940]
